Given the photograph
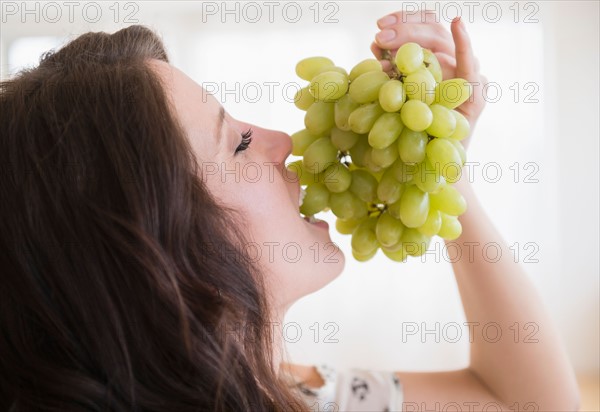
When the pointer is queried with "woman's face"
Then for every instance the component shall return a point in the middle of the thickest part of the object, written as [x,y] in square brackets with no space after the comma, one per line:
[297,257]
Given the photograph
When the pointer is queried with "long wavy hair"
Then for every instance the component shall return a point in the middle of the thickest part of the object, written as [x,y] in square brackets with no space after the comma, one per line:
[119,290]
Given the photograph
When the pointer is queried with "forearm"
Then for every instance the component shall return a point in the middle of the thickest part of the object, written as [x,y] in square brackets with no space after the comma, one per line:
[521,366]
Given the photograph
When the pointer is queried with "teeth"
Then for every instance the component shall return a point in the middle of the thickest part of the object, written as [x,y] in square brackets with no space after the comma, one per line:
[312,219]
[302,195]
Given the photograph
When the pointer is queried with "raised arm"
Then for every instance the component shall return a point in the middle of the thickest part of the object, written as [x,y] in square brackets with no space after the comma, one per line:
[527,368]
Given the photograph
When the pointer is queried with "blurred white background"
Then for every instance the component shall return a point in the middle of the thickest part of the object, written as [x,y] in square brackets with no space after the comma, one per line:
[542,132]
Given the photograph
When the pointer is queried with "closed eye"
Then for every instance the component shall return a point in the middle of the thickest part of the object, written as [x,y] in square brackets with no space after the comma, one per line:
[246,140]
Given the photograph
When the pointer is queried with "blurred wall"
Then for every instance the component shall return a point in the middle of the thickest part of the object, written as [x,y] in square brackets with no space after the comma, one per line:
[536,146]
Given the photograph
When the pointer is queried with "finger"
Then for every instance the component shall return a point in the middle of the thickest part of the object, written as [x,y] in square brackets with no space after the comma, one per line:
[465,62]
[476,64]
[448,64]
[417,16]
[377,51]
[386,66]
[433,39]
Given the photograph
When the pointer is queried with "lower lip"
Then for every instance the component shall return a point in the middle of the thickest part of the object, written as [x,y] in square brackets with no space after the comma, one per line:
[320,223]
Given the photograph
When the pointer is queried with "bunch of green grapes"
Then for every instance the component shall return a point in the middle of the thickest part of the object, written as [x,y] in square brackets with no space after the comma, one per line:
[381,151]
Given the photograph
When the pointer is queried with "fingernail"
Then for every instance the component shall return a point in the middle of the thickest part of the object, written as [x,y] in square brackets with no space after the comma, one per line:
[456,19]
[386,21]
[386,35]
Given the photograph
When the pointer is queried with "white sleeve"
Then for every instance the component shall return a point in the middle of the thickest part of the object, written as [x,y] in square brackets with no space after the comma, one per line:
[354,389]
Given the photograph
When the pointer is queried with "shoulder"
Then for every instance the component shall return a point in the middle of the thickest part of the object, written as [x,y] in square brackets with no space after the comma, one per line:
[349,389]
[306,374]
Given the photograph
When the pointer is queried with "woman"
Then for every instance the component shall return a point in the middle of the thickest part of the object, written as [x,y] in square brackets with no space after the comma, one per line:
[135,265]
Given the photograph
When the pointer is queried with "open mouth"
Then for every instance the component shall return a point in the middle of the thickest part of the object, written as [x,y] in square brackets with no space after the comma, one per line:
[310,219]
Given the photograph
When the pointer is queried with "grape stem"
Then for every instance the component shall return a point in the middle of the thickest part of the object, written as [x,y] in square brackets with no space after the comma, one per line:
[396,74]
[376,209]
[343,158]
[387,55]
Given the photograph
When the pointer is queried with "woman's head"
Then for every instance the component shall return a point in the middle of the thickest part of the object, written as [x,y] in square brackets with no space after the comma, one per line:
[295,256]
[123,275]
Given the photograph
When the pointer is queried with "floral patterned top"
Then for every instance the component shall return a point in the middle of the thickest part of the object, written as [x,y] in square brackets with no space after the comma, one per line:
[353,390]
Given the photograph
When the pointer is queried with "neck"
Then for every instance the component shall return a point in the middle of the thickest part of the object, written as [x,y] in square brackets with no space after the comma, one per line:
[276,327]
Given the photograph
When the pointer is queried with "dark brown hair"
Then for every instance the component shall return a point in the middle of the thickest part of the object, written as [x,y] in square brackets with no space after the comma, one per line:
[113,292]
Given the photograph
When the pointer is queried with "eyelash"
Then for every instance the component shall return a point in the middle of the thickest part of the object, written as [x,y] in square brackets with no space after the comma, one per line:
[246,140]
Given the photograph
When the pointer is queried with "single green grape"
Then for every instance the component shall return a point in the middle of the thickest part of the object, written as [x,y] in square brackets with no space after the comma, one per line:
[444,122]
[415,115]
[463,128]
[432,225]
[460,149]
[433,65]
[361,120]
[359,150]
[303,99]
[363,258]
[394,208]
[343,140]
[398,255]
[359,208]
[304,176]
[346,226]
[392,95]
[451,228]
[384,157]
[403,172]
[365,88]
[409,58]
[448,200]
[414,242]
[368,65]
[385,130]
[294,171]
[369,163]
[342,204]
[414,206]
[364,185]
[328,86]
[319,117]
[316,199]
[336,69]
[337,178]
[307,68]
[443,155]
[412,145]
[427,177]
[388,230]
[319,155]
[342,109]
[452,93]
[301,140]
[395,247]
[389,189]
[420,85]
[364,241]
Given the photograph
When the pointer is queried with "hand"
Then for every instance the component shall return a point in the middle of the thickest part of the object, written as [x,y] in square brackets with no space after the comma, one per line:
[454,52]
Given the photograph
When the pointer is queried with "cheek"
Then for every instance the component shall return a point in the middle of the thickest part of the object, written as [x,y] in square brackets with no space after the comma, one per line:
[295,257]
[264,202]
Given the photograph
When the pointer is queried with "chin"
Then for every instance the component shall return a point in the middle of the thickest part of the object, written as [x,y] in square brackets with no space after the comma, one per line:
[330,268]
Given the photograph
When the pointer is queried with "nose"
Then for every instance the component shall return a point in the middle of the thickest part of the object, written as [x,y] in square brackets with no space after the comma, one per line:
[276,145]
